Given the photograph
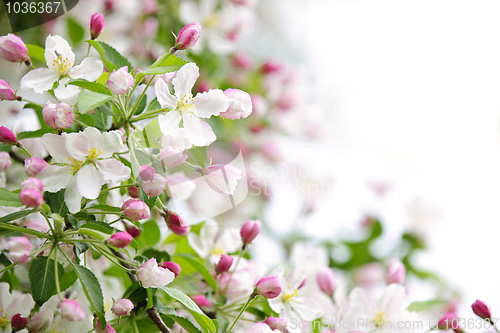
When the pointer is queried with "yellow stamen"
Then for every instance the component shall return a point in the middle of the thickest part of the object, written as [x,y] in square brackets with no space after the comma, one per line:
[62,65]
[94,154]
[218,250]
[289,296]
[186,105]
[74,164]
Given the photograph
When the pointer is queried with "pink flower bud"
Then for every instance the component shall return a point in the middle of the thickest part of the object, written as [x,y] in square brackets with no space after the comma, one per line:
[107,329]
[6,91]
[122,307]
[286,101]
[172,266]
[41,321]
[258,328]
[5,161]
[147,172]
[58,115]
[271,67]
[7,136]
[97,23]
[18,323]
[19,249]
[37,225]
[276,323]
[269,286]
[31,197]
[327,281]
[177,225]
[172,156]
[250,230]
[224,264]
[133,192]
[240,104]
[34,165]
[188,36]
[120,240]
[71,310]
[396,272]
[201,300]
[33,183]
[242,61]
[449,321]
[155,186]
[203,86]
[120,80]
[153,276]
[481,310]
[132,230]
[12,48]
[135,209]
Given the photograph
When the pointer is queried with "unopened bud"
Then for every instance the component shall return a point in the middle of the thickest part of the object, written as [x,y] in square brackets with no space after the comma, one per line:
[58,115]
[250,230]
[18,323]
[120,80]
[122,307]
[31,197]
[97,23]
[120,240]
[240,104]
[7,136]
[32,183]
[396,272]
[269,286]
[71,310]
[188,36]
[481,310]
[224,264]
[13,49]
[6,91]
[32,166]
[40,321]
[327,281]
[177,224]
[172,266]
[147,172]
[135,209]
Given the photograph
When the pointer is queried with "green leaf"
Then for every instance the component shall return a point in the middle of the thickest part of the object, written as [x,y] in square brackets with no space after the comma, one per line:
[111,58]
[90,100]
[37,52]
[98,226]
[16,215]
[79,248]
[206,323]
[75,30]
[7,198]
[43,279]
[167,63]
[86,119]
[142,105]
[119,273]
[200,268]
[150,234]
[34,134]
[92,290]
[56,202]
[150,201]
[185,323]
[68,279]
[425,305]
[92,86]
[102,121]
[105,208]
[154,105]
[159,255]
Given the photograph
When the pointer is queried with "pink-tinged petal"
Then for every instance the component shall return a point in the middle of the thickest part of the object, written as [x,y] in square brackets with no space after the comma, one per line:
[40,80]
[169,123]
[89,181]
[165,98]
[92,135]
[197,131]
[73,197]
[67,93]
[56,147]
[210,103]
[77,145]
[54,177]
[109,143]
[163,276]
[90,69]
[58,44]
[185,79]
[113,170]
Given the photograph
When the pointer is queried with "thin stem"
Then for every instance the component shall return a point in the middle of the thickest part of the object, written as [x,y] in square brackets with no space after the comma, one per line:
[12,227]
[58,287]
[494,326]
[148,115]
[8,267]
[88,51]
[24,150]
[132,111]
[98,249]
[251,298]
[116,187]
[48,222]
[234,269]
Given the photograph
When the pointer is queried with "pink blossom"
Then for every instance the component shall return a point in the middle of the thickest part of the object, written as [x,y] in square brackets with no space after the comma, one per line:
[152,276]
[19,249]
[146,172]
[12,48]
[120,80]
[5,161]
[188,36]
[32,183]
[327,281]
[6,91]
[240,104]
[135,209]
[172,266]
[97,23]
[7,136]
[250,230]
[58,115]
[31,197]
[224,264]
[34,165]
[155,186]
[107,329]
[481,310]
[201,300]
[177,224]
[396,272]
[71,310]
[122,307]
[120,240]
[269,286]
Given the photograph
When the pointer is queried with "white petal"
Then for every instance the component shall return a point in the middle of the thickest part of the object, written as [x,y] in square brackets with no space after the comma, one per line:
[169,123]
[392,299]
[296,277]
[58,44]
[165,98]
[113,170]
[73,197]
[189,12]
[230,240]
[306,308]
[90,69]
[56,147]
[77,145]
[41,79]
[197,131]
[362,303]
[198,244]
[185,79]
[109,143]
[92,135]
[210,103]
[67,93]
[276,304]
[89,181]
[54,177]
[162,276]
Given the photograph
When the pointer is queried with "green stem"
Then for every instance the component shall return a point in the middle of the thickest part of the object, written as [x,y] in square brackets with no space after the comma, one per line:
[148,115]
[24,150]
[132,111]
[116,187]
[8,267]
[251,298]
[91,233]
[13,227]
[150,298]
[234,269]
[58,287]
[48,222]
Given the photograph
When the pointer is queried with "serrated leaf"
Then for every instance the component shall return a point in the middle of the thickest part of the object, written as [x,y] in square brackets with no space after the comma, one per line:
[56,202]
[425,305]
[92,86]
[16,215]
[90,100]
[154,105]
[34,134]
[141,106]
[150,234]
[167,63]
[37,52]
[111,58]
[68,279]
[75,30]
[92,290]
[102,121]
[183,322]
[7,198]
[43,278]
[200,268]
[85,119]
[98,226]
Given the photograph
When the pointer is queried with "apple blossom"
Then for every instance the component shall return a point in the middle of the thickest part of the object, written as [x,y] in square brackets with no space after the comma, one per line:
[201,300]
[448,321]
[6,91]
[107,329]
[250,230]
[135,209]
[122,307]
[240,104]
[152,276]
[71,310]
[31,197]
[58,115]
[97,23]
[154,187]
[224,264]
[120,80]
[32,166]
[259,328]
[13,304]
[173,148]
[222,178]
[327,281]
[5,161]
[276,323]
[18,323]
[481,310]
[13,49]
[40,321]
[269,286]
[33,183]
[190,110]
[396,272]
[188,36]
[271,67]
[242,61]
[88,163]
[18,249]
[7,136]
[177,224]
[172,266]
[146,172]
[133,192]
[120,240]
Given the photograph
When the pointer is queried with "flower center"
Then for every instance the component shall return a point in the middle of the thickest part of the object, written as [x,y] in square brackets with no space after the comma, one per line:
[380,319]
[3,321]
[288,297]
[186,105]
[211,21]
[218,250]
[74,165]
[62,65]
[94,154]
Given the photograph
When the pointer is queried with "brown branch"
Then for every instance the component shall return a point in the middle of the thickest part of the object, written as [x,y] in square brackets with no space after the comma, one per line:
[155,317]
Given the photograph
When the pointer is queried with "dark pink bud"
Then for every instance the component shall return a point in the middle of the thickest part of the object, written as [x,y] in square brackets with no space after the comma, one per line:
[6,91]
[122,307]
[133,192]
[269,286]
[201,300]
[32,166]
[177,224]
[449,321]
[172,266]
[132,230]
[271,67]
[7,136]
[396,272]
[250,230]
[31,197]
[18,323]
[12,48]
[188,36]
[107,329]
[481,310]
[327,281]
[224,264]
[135,209]
[203,86]
[276,323]
[120,240]
[97,23]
